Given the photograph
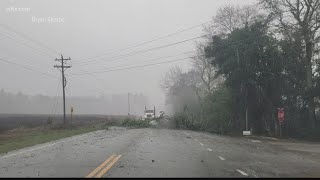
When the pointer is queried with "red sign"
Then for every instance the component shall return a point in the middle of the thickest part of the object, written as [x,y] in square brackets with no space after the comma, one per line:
[281,115]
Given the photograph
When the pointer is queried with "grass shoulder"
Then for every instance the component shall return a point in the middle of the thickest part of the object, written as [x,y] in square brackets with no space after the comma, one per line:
[22,138]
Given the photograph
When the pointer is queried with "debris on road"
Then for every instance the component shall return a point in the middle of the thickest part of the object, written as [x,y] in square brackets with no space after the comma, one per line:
[154,123]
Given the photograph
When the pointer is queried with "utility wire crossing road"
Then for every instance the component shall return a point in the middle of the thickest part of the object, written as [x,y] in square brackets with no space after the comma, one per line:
[120,152]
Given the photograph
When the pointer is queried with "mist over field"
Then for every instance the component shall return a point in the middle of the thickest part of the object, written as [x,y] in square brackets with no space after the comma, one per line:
[115,104]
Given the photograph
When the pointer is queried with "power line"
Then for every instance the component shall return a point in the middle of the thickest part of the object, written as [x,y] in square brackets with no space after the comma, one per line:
[82,85]
[143,51]
[34,70]
[29,38]
[148,60]
[159,47]
[145,61]
[46,74]
[243,40]
[29,68]
[230,43]
[26,57]
[37,50]
[133,67]
[147,42]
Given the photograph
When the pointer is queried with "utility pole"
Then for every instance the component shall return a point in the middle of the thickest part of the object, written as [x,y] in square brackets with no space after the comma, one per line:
[62,68]
[241,86]
[128,104]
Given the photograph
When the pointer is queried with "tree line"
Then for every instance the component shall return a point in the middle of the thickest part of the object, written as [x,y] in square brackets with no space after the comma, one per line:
[257,58]
[113,104]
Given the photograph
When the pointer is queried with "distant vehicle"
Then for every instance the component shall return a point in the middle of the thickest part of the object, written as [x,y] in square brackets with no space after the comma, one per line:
[149,114]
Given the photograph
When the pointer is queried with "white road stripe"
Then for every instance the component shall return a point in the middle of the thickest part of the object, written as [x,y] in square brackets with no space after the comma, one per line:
[201,144]
[241,172]
[222,158]
[209,149]
[40,147]
[196,139]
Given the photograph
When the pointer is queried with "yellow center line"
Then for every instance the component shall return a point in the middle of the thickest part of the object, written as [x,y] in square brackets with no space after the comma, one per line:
[105,170]
[100,166]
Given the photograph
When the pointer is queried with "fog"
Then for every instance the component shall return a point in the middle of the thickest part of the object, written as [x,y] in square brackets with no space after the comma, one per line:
[84,30]
[38,104]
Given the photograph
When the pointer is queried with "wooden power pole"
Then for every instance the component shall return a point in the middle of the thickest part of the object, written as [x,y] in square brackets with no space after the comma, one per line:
[62,68]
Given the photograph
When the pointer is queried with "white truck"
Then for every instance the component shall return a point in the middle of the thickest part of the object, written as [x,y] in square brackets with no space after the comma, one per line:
[149,114]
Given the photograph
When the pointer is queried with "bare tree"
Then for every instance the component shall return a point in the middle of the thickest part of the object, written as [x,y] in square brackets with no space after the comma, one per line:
[172,80]
[180,88]
[303,15]
[229,18]
[206,72]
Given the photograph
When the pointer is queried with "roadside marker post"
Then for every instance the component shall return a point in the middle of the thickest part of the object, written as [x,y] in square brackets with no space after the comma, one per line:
[71,115]
[247,132]
[280,119]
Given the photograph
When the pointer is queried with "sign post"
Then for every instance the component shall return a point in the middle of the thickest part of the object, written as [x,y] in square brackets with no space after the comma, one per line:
[71,115]
[280,119]
[247,132]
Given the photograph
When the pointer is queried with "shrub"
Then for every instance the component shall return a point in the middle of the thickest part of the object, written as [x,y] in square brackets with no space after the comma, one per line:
[128,122]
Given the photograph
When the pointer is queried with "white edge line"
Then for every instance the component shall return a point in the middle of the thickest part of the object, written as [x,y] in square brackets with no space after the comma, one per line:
[201,144]
[241,172]
[222,158]
[42,146]
[209,149]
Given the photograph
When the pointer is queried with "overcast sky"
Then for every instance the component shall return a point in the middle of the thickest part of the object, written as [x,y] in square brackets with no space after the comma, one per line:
[90,28]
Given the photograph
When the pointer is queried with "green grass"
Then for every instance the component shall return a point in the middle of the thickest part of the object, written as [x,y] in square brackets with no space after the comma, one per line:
[27,139]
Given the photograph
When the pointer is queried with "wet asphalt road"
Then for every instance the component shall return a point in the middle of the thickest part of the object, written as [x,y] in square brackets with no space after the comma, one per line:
[158,153]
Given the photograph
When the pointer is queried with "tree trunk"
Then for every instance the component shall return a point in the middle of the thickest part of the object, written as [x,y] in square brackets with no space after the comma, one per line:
[276,128]
[310,96]
[275,123]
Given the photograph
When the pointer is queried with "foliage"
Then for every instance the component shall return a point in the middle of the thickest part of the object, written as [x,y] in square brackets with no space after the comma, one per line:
[217,110]
[252,69]
[129,122]
[298,22]
[264,65]
[187,121]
